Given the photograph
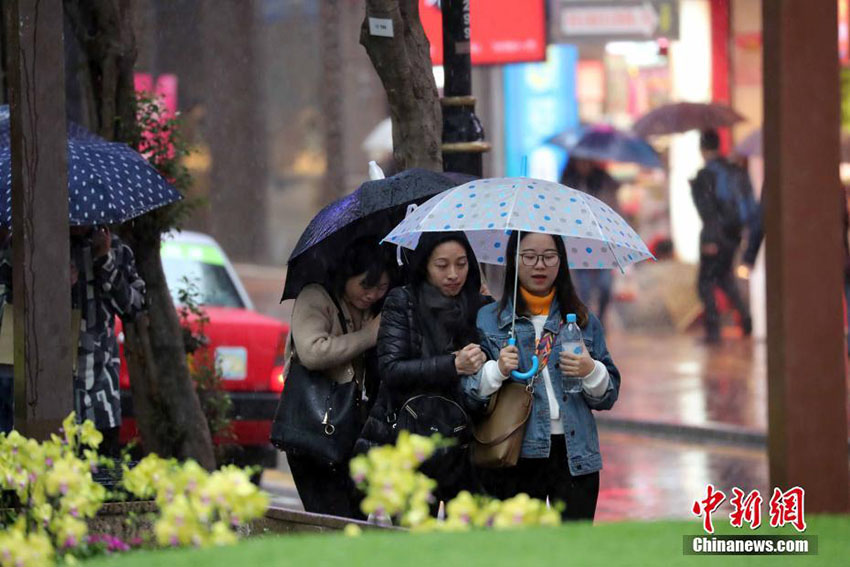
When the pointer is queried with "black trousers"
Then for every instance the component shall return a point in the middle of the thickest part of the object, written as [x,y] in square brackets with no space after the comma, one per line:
[325,489]
[111,444]
[716,271]
[548,477]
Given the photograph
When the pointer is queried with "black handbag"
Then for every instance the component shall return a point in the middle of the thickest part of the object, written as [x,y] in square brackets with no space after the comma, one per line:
[430,414]
[317,417]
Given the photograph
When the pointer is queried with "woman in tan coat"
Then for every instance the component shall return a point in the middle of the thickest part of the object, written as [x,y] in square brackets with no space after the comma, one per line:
[319,343]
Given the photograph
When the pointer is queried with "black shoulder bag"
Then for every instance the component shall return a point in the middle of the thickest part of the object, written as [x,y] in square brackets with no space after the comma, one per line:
[316,416]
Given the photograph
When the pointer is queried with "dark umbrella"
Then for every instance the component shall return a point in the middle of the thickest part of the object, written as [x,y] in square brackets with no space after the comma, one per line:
[373,209]
[75,131]
[685,116]
[568,138]
[108,182]
[608,144]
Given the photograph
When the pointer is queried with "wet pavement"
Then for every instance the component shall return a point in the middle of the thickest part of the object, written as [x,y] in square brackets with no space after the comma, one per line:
[676,379]
[689,414]
[645,478]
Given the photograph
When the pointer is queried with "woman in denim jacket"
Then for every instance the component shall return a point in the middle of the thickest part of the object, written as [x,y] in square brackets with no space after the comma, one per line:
[560,451]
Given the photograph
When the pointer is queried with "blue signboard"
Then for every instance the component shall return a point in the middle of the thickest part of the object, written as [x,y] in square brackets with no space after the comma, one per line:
[540,101]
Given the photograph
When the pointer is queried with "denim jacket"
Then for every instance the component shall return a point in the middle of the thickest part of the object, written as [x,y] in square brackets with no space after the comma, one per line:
[580,433]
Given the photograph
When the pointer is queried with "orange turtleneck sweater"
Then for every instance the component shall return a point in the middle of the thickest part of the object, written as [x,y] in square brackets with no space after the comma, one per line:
[537,305]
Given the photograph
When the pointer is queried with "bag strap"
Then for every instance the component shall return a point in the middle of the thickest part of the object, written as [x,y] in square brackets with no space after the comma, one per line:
[338,312]
[544,347]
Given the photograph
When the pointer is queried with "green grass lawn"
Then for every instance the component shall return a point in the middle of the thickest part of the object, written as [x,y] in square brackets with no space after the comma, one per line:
[608,545]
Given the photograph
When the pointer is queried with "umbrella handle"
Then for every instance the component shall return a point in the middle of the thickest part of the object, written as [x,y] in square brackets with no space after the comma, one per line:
[535,365]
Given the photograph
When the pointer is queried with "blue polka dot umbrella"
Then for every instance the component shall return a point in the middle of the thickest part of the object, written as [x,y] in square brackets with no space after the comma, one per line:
[487,210]
[108,182]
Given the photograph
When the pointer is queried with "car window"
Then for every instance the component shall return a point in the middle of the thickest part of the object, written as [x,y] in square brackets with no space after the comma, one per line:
[204,265]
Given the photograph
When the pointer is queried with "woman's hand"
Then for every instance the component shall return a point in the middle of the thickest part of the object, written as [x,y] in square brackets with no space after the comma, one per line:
[508,360]
[576,365]
[469,359]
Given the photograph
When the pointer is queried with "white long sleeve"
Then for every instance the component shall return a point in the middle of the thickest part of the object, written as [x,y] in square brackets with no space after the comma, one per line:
[491,378]
[595,383]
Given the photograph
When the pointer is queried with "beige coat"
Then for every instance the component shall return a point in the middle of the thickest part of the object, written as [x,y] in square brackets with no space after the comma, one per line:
[317,335]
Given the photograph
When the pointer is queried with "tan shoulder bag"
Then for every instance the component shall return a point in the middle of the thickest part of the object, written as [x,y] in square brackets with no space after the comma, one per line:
[497,440]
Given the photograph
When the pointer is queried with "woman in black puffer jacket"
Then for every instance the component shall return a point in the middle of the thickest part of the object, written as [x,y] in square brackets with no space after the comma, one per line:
[427,341]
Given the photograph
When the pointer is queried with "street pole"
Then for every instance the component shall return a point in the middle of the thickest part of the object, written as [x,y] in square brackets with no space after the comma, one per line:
[804,205]
[41,254]
[463,135]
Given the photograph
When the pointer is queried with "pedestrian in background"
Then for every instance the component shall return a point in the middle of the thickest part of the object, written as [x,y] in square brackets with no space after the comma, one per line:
[594,286]
[724,200]
[560,457]
[104,285]
[319,342]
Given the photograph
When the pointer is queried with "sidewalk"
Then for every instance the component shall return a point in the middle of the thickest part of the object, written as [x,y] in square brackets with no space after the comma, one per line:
[675,386]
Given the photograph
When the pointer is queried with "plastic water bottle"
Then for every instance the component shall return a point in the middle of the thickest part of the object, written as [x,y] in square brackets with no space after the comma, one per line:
[572,343]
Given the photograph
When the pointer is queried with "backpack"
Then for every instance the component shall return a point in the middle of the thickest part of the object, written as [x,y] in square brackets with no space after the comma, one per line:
[736,206]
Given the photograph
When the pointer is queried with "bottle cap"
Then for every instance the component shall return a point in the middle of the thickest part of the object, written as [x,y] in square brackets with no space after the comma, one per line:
[571,317]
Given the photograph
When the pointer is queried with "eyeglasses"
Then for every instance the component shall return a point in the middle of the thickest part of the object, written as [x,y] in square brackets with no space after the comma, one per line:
[550,259]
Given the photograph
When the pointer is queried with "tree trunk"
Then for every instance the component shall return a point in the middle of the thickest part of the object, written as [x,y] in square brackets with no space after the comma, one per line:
[166,406]
[403,63]
[334,185]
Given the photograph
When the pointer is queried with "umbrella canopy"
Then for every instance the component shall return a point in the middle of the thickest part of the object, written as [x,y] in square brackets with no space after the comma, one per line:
[108,182]
[373,209]
[609,144]
[75,131]
[752,145]
[489,209]
[568,138]
[685,116]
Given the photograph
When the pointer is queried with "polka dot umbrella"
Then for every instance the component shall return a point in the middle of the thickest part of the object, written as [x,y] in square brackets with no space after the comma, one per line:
[108,182]
[488,210]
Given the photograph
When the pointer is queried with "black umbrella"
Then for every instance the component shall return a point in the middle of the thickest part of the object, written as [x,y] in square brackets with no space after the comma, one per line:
[685,116]
[372,210]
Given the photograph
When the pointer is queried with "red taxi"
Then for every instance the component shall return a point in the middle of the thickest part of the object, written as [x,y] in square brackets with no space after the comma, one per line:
[248,347]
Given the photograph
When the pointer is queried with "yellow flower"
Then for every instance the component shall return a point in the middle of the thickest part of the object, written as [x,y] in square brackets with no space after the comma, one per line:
[18,549]
[221,534]
[89,435]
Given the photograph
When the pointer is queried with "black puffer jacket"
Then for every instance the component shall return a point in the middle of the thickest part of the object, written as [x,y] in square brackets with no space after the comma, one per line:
[405,371]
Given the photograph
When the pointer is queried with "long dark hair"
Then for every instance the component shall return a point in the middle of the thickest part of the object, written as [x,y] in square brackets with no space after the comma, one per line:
[365,255]
[463,330]
[565,291]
